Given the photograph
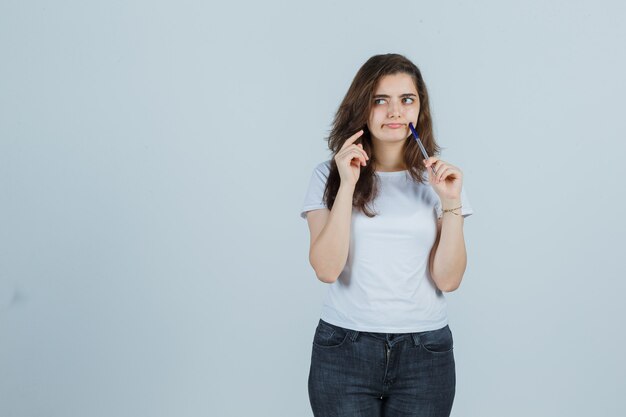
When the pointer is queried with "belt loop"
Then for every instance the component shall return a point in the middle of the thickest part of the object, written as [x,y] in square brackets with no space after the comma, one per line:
[354,335]
[416,339]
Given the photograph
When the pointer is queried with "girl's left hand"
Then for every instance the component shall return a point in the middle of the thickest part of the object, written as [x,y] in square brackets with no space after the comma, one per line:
[448,180]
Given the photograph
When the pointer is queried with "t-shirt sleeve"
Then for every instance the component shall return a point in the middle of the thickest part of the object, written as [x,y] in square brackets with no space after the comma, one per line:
[314,198]
[466,209]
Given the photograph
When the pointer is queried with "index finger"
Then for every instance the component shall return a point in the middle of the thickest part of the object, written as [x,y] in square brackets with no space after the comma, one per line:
[352,139]
[431,160]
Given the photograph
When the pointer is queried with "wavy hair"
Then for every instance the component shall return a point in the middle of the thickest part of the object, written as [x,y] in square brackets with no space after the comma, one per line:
[352,115]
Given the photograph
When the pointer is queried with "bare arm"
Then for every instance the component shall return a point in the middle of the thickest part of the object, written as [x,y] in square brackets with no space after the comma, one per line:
[330,236]
[448,257]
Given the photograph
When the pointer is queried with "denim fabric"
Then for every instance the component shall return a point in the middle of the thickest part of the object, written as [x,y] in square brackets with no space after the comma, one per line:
[365,374]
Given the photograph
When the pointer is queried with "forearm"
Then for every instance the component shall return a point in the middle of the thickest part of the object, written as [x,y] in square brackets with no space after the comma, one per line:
[450,257]
[329,252]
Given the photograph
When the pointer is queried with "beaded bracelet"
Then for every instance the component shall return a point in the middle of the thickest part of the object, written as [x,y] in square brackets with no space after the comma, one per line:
[451,210]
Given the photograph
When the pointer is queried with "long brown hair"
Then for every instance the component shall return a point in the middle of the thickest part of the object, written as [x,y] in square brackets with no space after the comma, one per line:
[353,114]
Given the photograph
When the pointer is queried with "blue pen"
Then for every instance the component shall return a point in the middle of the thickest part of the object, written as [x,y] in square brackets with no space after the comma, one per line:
[419,142]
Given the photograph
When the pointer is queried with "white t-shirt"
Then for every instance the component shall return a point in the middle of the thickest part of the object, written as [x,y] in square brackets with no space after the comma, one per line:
[386,285]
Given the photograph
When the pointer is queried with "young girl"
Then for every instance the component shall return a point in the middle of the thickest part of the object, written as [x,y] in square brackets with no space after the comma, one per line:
[387,235]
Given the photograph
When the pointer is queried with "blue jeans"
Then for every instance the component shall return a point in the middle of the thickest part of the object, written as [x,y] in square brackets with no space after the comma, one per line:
[364,374]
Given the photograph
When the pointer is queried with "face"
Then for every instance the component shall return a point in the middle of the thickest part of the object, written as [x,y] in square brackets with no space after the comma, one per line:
[395,104]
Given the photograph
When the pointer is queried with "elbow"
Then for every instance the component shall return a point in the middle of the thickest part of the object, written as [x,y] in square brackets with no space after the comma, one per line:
[447,285]
[448,280]
[450,287]
[326,279]
[451,284]
[326,275]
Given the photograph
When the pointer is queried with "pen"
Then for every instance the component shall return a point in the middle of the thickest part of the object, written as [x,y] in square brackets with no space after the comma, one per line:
[419,142]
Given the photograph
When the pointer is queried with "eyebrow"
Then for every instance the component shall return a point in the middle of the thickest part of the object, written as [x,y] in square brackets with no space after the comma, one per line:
[387,96]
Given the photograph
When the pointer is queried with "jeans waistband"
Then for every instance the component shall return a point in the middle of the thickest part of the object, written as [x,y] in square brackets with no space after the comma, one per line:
[390,338]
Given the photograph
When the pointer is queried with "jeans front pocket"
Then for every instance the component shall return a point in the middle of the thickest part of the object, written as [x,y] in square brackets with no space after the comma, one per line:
[329,336]
[437,341]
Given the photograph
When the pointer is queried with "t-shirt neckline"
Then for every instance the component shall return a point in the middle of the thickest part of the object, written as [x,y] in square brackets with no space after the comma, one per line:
[391,173]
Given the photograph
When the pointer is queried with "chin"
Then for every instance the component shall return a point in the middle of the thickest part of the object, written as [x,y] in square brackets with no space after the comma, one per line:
[387,136]
[396,136]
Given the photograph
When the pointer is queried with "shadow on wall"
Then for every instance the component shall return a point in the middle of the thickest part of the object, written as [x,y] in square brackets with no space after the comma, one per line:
[10,296]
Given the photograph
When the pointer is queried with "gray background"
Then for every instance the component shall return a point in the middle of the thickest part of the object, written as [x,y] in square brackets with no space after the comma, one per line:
[154,157]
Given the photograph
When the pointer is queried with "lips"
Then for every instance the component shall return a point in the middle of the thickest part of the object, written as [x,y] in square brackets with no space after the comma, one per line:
[394,125]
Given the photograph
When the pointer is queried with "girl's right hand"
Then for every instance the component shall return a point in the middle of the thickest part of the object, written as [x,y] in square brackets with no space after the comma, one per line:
[349,160]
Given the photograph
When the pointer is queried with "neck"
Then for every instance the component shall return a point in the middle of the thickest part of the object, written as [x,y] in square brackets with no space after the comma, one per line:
[388,156]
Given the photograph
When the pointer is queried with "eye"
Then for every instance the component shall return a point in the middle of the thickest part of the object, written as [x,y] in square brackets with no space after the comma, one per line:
[412,100]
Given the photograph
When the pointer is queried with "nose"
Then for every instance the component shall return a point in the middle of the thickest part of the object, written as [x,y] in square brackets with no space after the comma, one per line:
[393,109]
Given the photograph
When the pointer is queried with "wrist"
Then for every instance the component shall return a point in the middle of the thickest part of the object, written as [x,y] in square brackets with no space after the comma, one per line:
[450,203]
[346,189]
